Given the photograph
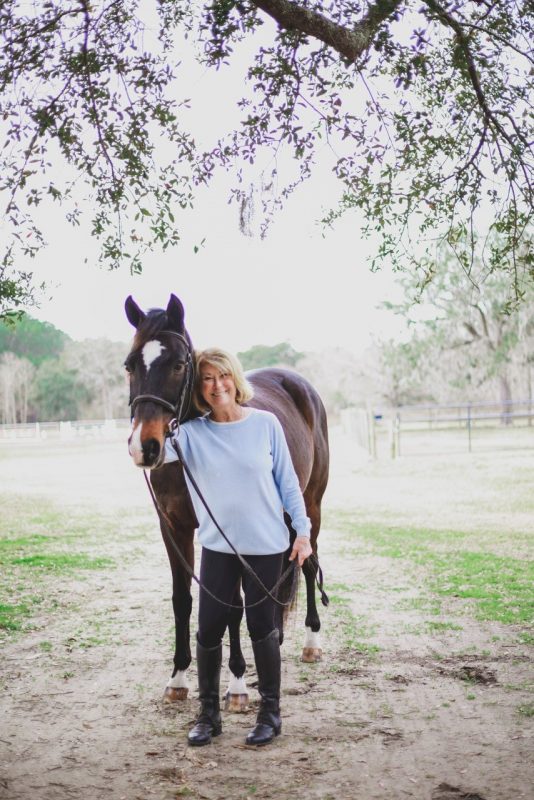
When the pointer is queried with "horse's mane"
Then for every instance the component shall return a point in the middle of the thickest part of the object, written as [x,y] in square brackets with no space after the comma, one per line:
[154,322]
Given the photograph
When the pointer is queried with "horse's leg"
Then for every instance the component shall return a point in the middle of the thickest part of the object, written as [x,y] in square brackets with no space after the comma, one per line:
[288,589]
[236,697]
[312,650]
[177,687]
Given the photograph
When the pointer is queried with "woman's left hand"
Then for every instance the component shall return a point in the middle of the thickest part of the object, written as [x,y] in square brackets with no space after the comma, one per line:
[301,549]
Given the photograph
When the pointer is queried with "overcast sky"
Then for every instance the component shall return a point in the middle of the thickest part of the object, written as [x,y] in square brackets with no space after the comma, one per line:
[296,285]
[238,291]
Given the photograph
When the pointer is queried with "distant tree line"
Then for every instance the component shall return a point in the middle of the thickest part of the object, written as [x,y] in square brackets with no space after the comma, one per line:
[44,375]
[464,343]
[466,340]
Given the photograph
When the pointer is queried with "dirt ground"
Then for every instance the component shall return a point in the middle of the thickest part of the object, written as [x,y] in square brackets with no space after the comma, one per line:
[414,714]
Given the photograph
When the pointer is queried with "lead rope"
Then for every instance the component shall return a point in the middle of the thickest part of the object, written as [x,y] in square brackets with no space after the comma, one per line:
[313,558]
[247,566]
[166,528]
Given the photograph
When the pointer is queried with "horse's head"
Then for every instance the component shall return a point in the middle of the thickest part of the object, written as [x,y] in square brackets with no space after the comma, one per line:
[160,368]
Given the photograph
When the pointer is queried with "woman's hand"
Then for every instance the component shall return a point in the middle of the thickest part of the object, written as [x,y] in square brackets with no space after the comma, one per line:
[302,549]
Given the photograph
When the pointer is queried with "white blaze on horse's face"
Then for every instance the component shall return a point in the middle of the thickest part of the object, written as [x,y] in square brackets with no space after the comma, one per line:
[134,445]
[151,351]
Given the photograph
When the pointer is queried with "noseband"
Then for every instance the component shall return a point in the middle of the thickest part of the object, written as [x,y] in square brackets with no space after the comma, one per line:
[181,408]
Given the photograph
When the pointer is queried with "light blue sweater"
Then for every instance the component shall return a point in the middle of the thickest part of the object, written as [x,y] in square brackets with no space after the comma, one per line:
[245,472]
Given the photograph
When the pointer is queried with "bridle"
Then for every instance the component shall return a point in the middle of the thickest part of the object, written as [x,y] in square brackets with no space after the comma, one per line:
[181,408]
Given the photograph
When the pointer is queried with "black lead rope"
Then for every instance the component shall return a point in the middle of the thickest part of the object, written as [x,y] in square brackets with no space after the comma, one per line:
[318,571]
[179,414]
[166,527]
[246,566]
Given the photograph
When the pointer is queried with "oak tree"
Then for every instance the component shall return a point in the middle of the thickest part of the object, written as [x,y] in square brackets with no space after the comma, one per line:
[421,107]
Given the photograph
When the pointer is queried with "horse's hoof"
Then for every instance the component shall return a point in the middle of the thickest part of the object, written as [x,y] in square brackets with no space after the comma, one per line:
[236,703]
[311,655]
[172,695]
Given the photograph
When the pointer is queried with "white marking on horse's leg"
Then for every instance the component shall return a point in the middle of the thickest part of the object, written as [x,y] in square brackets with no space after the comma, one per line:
[177,688]
[151,351]
[312,650]
[134,445]
[179,681]
[236,698]
[237,685]
[312,639]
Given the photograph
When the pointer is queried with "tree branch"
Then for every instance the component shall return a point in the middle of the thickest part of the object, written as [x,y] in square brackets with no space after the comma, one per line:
[351,44]
[447,19]
[96,115]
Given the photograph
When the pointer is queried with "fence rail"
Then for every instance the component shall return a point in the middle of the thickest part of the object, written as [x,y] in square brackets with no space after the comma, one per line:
[73,429]
[472,424]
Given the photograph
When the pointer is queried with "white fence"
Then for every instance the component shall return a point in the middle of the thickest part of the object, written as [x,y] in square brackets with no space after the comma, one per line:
[65,431]
[409,430]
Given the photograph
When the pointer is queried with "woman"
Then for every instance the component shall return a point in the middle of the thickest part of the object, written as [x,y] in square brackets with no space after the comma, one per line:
[240,460]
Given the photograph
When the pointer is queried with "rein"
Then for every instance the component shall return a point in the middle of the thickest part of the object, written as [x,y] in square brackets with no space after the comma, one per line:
[173,426]
[166,527]
[179,414]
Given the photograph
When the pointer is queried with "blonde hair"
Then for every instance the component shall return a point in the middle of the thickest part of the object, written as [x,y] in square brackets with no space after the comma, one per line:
[226,364]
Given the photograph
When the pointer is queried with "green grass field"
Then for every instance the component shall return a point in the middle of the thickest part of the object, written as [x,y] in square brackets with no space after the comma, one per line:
[461,525]
[452,563]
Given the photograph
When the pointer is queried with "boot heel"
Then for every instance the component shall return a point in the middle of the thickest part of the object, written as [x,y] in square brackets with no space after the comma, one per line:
[263,734]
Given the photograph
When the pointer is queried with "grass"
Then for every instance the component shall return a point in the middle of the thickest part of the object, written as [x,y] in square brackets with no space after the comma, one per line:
[11,616]
[436,627]
[38,543]
[351,629]
[494,587]
[61,562]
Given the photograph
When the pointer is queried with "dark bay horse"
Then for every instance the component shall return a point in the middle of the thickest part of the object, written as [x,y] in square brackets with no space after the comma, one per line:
[160,367]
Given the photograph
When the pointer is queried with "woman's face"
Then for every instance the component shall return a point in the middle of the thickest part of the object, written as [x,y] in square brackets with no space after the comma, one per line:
[217,388]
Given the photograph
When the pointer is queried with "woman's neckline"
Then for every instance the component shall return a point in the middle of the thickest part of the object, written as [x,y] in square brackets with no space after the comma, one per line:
[248,413]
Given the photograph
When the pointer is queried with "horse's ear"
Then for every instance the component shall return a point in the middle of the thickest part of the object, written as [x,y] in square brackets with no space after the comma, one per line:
[133,313]
[175,314]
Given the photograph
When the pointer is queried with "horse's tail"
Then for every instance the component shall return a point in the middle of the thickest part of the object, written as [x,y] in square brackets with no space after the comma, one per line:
[289,588]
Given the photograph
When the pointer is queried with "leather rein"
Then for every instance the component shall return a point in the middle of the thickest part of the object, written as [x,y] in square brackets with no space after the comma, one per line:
[180,410]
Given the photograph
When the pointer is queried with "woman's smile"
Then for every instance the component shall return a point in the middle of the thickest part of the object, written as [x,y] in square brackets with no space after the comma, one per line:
[218,390]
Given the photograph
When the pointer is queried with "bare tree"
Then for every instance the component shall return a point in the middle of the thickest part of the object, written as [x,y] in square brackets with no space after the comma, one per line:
[16,376]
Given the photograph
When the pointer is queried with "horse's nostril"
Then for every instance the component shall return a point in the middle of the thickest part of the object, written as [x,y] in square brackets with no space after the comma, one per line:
[151,451]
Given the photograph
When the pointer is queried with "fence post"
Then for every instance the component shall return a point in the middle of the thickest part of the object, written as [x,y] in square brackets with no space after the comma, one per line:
[392,442]
[469,425]
[371,430]
[397,434]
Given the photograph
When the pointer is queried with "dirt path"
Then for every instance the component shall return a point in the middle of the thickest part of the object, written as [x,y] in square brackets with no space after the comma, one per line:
[392,711]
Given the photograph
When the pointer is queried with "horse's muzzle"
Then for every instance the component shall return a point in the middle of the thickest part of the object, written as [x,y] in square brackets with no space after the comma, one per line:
[147,451]
[151,453]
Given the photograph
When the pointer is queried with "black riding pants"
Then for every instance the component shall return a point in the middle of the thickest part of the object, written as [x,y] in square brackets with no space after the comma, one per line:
[223,574]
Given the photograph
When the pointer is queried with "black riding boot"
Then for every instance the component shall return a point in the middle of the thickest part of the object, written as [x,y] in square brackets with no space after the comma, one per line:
[267,657]
[208,722]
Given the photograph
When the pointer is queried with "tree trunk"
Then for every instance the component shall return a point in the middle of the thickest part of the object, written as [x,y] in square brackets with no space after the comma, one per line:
[506,399]
[529,393]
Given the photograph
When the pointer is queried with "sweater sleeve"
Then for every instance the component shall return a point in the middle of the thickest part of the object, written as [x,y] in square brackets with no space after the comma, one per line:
[287,482]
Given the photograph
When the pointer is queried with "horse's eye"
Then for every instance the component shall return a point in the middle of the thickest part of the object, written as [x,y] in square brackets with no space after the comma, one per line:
[179,368]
